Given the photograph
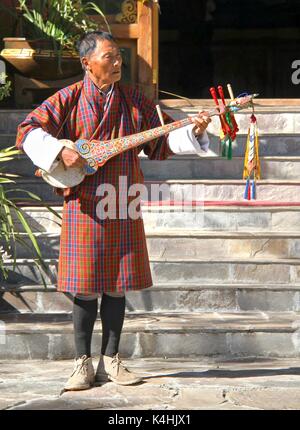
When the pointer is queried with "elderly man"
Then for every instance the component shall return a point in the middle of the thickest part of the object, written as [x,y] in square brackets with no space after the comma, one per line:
[104,257]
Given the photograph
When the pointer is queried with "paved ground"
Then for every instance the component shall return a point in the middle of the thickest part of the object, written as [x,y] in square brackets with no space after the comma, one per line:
[169,385]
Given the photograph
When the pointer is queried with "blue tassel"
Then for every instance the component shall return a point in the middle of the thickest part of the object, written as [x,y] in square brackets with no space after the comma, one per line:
[246,192]
[253,190]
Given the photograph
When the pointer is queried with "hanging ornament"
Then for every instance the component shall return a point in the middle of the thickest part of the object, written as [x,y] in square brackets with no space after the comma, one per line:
[229,126]
[251,161]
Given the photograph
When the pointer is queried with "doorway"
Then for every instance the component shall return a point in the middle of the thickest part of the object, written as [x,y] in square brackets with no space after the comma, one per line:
[253,44]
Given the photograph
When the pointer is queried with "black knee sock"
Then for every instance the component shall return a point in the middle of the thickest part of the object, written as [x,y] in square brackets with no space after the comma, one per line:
[112,312]
[84,316]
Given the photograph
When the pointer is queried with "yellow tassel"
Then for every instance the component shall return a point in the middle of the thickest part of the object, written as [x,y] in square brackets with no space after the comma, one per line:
[245,172]
[257,160]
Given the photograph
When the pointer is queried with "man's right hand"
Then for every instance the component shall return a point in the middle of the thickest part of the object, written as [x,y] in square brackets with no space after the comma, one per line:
[71,158]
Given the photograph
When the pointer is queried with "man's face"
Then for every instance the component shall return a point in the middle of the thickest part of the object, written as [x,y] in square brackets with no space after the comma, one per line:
[104,64]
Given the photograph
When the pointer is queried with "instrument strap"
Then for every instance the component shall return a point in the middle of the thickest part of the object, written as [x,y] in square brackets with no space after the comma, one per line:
[70,111]
[68,191]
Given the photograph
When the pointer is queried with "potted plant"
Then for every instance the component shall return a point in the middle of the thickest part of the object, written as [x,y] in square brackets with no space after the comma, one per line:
[51,29]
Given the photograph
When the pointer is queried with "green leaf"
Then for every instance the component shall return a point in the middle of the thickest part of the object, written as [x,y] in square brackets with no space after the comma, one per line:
[29,232]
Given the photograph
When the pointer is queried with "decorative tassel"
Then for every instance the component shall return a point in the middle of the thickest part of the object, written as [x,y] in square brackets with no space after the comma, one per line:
[228,129]
[247,188]
[253,190]
[251,161]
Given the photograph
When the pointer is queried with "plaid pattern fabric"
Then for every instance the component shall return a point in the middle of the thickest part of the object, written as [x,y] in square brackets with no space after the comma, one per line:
[100,255]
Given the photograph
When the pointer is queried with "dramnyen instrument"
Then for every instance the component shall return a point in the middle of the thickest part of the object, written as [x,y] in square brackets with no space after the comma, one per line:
[97,153]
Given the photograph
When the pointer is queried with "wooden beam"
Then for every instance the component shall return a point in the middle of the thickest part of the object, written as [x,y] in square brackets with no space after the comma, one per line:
[125,31]
[120,31]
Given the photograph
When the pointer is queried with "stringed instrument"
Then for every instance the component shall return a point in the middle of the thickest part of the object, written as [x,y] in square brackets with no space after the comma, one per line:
[97,153]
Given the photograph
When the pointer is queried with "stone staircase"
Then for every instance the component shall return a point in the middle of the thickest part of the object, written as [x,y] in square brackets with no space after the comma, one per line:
[226,271]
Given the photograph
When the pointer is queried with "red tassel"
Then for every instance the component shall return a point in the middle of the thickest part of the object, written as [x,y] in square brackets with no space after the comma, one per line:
[249,192]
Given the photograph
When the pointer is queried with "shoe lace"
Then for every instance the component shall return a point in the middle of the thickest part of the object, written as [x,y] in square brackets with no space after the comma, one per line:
[81,366]
[117,362]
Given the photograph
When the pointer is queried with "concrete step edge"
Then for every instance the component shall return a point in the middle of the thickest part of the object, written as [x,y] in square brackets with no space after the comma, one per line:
[193,206]
[52,288]
[188,233]
[169,322]
[195,233]
[224,182]
[256,261]
[290,261]
[206,157]
[210,208]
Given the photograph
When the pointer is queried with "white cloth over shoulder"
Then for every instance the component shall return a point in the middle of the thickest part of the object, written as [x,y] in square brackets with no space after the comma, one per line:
[183,141]
[42,149]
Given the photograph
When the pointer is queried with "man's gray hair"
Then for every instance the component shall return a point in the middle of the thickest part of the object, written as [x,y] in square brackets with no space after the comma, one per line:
[88,43]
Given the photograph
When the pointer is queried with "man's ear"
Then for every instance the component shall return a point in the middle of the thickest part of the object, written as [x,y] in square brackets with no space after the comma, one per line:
[85,65]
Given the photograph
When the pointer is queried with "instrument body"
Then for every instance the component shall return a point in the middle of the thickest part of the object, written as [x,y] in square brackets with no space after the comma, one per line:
[97,153]
[61,176]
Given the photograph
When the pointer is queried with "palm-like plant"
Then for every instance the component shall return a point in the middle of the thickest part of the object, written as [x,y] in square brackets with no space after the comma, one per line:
[62,21]
[12,216]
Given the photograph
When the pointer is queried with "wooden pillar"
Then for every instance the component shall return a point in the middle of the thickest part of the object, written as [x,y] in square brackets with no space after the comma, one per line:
[155,33]
[147,48]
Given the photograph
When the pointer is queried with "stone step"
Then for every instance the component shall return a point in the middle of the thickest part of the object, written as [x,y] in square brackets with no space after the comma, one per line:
[189,167]
[10,119]
[184,191]
[169,243]
[163,298]
[223,218]
[205,245]
[274,120]
[207,218]
[229,335]
[175,384]
[36,186]
[7,139]
[269,121]
[174,271]
[193,167]
[270,271]
[269,144]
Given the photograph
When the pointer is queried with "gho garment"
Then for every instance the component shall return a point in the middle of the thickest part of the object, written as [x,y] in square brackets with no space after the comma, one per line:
[100,255]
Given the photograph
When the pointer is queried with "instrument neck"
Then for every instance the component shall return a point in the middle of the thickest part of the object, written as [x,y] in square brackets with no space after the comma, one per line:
[98,153]
[154,133]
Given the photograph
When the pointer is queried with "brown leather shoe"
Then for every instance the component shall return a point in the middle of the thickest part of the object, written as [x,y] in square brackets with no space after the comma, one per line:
[112,369]
[83,375]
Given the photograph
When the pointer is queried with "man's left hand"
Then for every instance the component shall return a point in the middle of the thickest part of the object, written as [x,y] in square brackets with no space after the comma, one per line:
[201,122]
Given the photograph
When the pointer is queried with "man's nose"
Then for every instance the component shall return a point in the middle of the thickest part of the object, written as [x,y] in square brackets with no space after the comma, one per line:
[118,59]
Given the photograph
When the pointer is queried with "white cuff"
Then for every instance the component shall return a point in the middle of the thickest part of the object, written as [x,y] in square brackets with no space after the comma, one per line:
[42,149]
[183,141]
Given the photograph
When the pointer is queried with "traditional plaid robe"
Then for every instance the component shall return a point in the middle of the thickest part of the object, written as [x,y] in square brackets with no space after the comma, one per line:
[100,255]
